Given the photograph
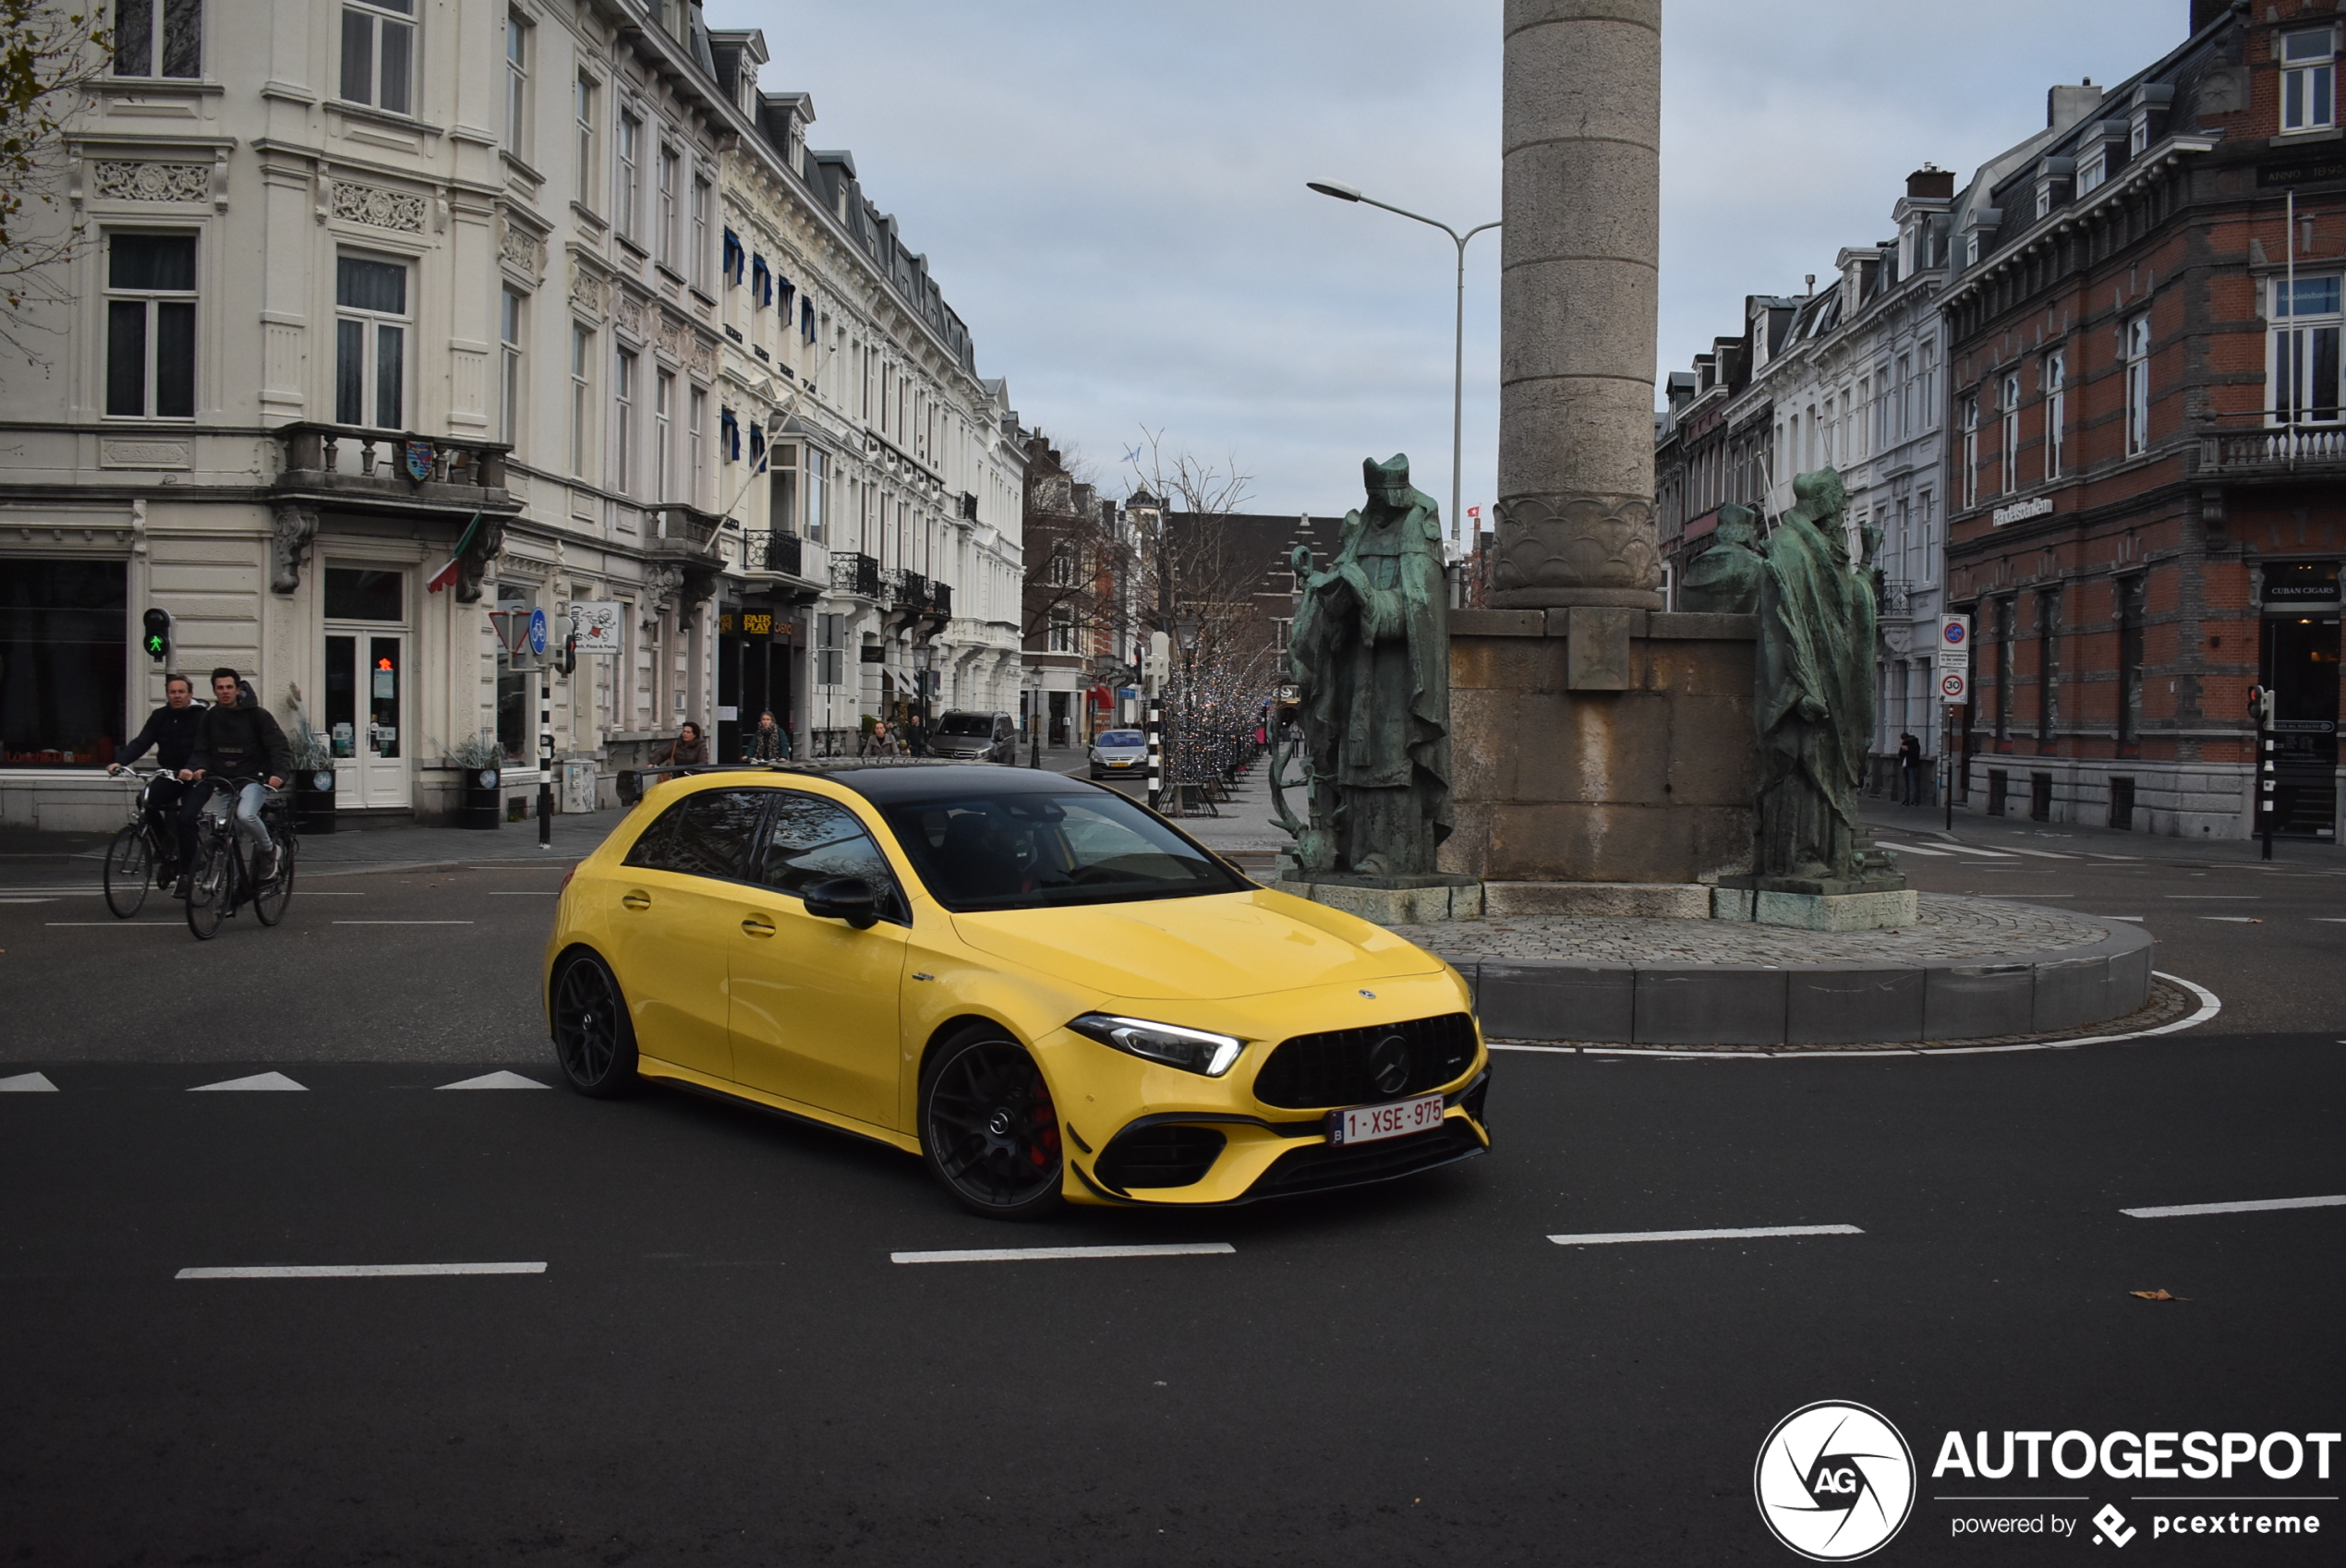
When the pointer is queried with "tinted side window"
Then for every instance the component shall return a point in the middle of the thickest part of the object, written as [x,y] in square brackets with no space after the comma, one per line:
[710,834]
[812,839]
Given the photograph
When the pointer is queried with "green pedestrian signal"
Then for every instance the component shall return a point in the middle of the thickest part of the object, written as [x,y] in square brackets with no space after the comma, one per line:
[157,639]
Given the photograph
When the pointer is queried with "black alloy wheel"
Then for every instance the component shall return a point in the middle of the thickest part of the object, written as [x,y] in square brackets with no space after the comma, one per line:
[988,1129]
[213,889]
[130,871]
[269,899]
[594,1038]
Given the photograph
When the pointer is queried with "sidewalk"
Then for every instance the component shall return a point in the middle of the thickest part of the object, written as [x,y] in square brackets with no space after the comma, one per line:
[1973,826]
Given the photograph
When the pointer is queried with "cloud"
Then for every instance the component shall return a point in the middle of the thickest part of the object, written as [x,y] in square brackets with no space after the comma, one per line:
[1112,197]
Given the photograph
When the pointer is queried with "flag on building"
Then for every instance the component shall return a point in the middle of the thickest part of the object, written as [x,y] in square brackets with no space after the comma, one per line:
[447,574]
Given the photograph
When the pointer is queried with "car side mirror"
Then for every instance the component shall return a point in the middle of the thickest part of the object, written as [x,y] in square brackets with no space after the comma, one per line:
[850,899]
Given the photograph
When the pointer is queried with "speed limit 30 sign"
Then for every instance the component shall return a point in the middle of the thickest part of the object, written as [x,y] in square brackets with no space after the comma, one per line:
[1954,687]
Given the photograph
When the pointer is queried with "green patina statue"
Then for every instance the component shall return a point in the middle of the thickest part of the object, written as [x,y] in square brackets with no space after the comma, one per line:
[1724,579]
[1370,653]
[1815,691]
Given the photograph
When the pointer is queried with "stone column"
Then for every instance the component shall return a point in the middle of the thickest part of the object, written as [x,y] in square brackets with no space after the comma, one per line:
[1576,305]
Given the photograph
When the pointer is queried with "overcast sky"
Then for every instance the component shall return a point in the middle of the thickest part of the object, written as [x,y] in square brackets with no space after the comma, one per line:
[1112,196]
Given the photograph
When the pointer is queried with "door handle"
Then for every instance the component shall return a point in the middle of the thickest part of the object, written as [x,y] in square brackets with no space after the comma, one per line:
[637,900]
[758,925]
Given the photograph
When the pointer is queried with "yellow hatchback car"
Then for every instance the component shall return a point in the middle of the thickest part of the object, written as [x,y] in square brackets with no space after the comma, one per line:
[1043,989]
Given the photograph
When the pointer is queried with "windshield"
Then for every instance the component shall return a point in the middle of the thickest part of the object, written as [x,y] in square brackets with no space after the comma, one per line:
[965,724]
[1119,738]
[1013,852]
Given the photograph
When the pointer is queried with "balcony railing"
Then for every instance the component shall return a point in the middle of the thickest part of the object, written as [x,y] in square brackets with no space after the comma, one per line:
[2267,447]
[940,599]
[680,532]
[1897,596]
[855,573]
[779,552]
[351,462]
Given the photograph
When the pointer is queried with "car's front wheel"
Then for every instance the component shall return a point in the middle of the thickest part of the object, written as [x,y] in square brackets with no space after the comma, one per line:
[594,1038]
[988,1129]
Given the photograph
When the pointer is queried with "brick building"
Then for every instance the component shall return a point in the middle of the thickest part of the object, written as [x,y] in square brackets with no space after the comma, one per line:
[2145,440]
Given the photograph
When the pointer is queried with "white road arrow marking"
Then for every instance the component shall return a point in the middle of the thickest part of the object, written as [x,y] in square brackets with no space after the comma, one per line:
[28,1083]
[259,1083]
[498,1079]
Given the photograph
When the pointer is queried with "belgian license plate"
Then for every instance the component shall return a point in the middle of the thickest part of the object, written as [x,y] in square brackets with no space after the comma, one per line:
[1399,1119]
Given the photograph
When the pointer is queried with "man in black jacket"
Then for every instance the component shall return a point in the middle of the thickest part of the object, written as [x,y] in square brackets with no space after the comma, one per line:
[171,730]
[236,740]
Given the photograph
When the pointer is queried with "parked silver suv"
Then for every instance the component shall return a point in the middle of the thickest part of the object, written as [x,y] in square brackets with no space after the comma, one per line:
[974,737]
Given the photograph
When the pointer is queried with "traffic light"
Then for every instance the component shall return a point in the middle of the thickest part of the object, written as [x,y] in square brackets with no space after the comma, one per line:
[570,654]
[2260,703]
[157,641]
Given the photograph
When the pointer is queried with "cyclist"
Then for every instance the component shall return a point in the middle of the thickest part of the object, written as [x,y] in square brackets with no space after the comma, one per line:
[171,730]
[236,740]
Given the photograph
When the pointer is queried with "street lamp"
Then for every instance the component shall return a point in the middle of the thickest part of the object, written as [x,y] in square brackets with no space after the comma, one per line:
[1457,355]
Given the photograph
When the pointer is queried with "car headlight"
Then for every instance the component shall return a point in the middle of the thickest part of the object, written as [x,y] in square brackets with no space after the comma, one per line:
[1193,1050]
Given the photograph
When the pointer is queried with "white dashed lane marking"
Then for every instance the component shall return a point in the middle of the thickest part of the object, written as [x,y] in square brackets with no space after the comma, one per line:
[355,1271]
[498,1079]
[1608,1237]
[1038,1254]
[2252,1206]
[259,1083]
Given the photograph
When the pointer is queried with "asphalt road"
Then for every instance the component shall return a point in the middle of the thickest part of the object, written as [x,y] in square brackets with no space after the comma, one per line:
[720,1362]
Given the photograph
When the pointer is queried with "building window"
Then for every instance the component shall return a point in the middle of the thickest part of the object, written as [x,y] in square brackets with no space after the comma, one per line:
[61,662]
[2056,383]
[1905,394]
[2138,137]
[583,106]
[830,656]
[517,85]
[1970,451]
[1063,632]
[150,326]
[139,26]
[696,258]
[622,397]
[2093,167]
[1927,418]
[2305,368]
[378,54]
[582,402]
[2011,434]
[631,134]
[672,174]
[371,343]
[818,492]
[2130,666]
[2004,619]
[509,376]
[781,497]
[2138,385]
[696,436]
[2308,81]
[1929,538]
[2044,197]
[515,713]
[2048,667]
[663,423]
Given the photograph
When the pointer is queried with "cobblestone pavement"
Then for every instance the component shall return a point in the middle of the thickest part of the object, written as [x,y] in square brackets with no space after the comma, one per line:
[1952,927]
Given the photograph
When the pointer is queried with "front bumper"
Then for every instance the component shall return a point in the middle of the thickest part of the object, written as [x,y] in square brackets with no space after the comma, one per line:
[1145,1134]
[1263,1158]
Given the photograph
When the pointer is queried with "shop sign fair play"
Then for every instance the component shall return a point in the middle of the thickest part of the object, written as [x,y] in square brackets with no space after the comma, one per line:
[595,623]
[1955,659]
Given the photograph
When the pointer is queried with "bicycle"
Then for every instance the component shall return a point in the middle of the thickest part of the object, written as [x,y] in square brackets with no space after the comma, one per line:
[145,855]
[223,881]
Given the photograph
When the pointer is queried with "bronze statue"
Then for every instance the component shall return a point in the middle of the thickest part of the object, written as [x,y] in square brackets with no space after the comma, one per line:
[1370,652]
[1724,579]
[1815,691]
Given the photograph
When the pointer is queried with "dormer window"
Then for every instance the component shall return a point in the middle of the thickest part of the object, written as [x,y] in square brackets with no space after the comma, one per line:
[2093,167]
[1971,249]
[2138,140]
[2309,80]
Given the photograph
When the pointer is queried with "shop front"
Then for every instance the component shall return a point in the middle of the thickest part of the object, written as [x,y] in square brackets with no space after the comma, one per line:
[2299,664]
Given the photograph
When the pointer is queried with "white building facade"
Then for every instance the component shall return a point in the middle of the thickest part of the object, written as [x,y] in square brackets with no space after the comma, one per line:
[374,288]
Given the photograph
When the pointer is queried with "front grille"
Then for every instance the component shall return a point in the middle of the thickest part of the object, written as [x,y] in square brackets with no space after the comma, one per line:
[1160,1157]
[1313,1071]
[1319,1166]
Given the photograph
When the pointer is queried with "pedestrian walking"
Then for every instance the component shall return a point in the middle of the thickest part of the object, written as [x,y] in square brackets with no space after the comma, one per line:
[688,749]
[883,741]
[1909,771]
[768,742]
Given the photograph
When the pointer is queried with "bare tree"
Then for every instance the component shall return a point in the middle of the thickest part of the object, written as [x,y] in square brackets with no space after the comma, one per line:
[48,58]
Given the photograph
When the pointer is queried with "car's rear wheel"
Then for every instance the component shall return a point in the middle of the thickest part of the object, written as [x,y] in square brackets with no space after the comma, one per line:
[594,1038]
[988,1129]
